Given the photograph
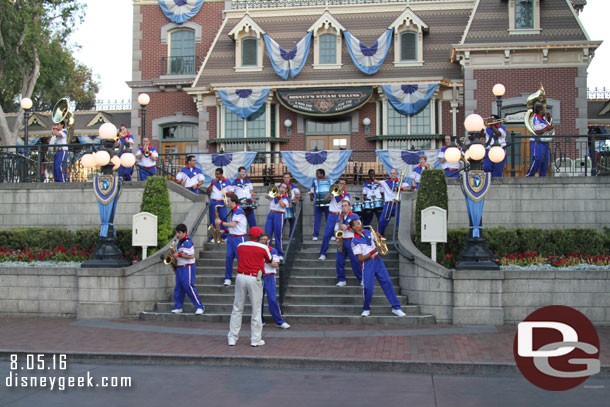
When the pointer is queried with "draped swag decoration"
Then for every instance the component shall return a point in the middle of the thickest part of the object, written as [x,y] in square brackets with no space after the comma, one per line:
[288,63]
[229,162]
[369,59]
[244,102]
[180,11]
[411,98]
[303,164]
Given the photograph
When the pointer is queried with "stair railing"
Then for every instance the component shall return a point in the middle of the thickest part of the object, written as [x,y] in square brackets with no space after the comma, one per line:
[296,238]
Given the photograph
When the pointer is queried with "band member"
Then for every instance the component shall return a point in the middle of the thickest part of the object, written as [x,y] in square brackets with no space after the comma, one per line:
[539,150]
[185,272]
[217,188]
[346,217]
[495,132]
[238,227]
[244,190]
[294,194]
[334,210]
[318,210]
[269,286]
[451,169]
[126,140]
[371,191]
[390,208]
[190,176]
[275,220]
[252,257]
[416,173]
[61,153]
[363,246]
[147,157]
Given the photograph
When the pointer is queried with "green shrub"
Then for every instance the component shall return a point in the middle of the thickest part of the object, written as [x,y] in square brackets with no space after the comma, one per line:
[155,200]
[432,192]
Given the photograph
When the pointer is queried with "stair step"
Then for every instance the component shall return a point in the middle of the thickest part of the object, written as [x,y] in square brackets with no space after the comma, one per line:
[350,289]
[298,281]
[347,310]
[296,299]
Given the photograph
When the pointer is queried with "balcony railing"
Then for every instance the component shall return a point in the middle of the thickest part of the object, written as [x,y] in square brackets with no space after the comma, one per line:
[179,65]
[252,4]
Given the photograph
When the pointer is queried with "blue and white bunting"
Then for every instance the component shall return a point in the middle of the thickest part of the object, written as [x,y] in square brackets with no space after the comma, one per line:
[369,59]
[31,141]
[404,160]
[229,162]
[244,102]
[288,63]
[303,164]
[411,98]
[180,11]
[89,139]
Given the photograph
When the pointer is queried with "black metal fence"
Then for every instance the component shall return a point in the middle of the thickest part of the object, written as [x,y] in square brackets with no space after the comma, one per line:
[296,238]
[179,65]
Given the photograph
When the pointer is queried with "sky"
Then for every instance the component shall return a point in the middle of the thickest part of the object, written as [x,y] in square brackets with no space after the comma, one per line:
[106,36]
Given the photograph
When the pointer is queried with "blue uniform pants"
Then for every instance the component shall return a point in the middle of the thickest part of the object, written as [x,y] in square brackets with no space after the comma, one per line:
[185,284]
[329,231]
[147,172]
[371,269]
[232,243]
[273,227]
[393,209]
[353,261]
[317,221]
[292,220]
[496,169]
[367,217]
[125,173]
[59,166]
[250,217]
[274,307]
[540,155]
[222,211]
[452,173]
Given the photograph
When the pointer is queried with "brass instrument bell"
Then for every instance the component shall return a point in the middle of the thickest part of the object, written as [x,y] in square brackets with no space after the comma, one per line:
[273,192]
[335,190]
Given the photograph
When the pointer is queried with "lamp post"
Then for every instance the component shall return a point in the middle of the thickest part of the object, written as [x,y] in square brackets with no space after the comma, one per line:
[475,184]
[366,122]
[288,125]
[499,90]
[107,189]
[143,100]
[26,105]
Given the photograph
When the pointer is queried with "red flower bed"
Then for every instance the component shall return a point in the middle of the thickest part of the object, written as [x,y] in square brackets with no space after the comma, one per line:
[60,253]
[533,258]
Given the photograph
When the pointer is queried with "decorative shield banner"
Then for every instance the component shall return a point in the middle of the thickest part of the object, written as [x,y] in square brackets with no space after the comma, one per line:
[107,189]
[229,162]
[324,102]
[180,11]
[288,63]
[369,59]
[303,164]
[475,184]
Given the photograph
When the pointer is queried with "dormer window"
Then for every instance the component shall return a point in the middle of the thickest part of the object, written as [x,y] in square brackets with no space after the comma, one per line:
[524,17]
[408,39]
[248,37]
[326,42]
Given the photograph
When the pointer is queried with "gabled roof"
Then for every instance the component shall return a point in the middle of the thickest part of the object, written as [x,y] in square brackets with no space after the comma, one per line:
[408,17]
[246,24]
[326,20]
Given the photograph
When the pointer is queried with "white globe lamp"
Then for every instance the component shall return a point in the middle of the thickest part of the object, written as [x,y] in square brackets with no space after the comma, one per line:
[107,131]
[128,160]
[88,161]
[474,123]
[116,161]
[102,158]
[496,154]
[477,152]
[498,90]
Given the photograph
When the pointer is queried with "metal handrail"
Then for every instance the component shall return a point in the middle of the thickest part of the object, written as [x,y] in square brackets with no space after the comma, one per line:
[286,266]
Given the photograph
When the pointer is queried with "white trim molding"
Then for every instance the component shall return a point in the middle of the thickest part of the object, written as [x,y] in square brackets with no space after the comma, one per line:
[167,28]
[248,28]
[326,24]
[408,21]
[512,30]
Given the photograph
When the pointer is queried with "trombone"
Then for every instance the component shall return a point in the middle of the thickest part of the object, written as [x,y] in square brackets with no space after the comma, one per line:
[490,120]
[396,199]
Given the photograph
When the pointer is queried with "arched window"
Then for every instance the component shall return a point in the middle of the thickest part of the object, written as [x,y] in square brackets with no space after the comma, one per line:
[328,49]
[408,46]
[182,52]
[249,51]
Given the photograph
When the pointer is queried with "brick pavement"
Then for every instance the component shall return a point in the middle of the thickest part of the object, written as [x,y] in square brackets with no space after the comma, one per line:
[437,343]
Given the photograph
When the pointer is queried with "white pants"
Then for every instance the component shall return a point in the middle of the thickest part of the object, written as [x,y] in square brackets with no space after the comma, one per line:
[254,289]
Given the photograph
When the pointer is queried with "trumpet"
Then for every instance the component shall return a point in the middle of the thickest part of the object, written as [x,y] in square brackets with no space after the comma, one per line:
[382,247]
[170,259]
[146,151]
[273,192]
[396,200]
[335,190]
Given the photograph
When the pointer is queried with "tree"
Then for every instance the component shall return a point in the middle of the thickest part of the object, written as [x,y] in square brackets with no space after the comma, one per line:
[35,60]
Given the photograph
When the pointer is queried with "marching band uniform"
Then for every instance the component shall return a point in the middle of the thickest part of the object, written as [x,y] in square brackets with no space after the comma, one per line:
[216,200]
[389,187]
[191,177]
[275,221]
[237,235]
[416,175]
[252,258]
[185,276]
[371,269]
[270,289]
[539,150]
[127,147]
[334,211]
[60,158]
[243,189]
[496,169]
[149,167]
[294,192]
[371,192]
[318,211]
[348,235]
[452,170]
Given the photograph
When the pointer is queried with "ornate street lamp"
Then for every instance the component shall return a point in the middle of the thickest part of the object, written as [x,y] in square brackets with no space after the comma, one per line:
[475,184]
[499,90]
[26,105]
[143,100]
[107,189]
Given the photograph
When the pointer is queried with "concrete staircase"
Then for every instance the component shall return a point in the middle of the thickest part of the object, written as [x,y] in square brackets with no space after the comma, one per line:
[312,296]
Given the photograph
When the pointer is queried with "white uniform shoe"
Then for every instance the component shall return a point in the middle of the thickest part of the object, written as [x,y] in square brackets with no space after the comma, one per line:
[285,325]
[177,311]
[322,257]
[227,283]
[232,341]
[398,313]
[341,284]
[199,311]
[365,313]
[314,238]
[259,343]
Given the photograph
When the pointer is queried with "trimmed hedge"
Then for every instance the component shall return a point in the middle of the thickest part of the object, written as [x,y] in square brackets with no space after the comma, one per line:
[48,238]
[155,200]
[432,192]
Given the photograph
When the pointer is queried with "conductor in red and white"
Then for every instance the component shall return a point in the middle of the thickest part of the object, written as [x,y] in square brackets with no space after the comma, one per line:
[252,257]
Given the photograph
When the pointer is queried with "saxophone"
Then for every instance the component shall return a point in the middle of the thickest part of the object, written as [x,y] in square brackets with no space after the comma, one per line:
[215,229]
[170,259]
[382,247]
[339,236]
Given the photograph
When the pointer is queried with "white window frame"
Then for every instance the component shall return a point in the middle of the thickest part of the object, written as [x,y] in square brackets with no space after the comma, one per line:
[169,49]
[327,24]
[408,21]
[512,30]
[247,27]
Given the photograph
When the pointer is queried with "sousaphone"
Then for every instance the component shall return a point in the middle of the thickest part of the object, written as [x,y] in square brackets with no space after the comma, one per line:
[61,113]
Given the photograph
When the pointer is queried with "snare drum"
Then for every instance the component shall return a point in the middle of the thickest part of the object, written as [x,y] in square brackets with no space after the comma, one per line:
[357,207]
[378,204]
[322,188]
[368,206]
[243,203]
[289,213]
